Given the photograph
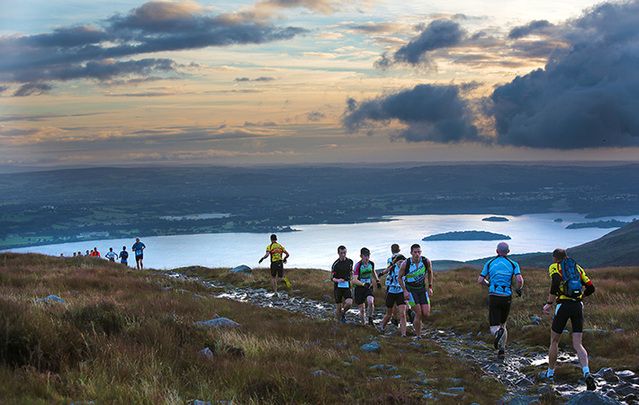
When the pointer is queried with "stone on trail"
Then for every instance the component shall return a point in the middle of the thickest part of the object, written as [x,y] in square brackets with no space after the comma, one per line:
[524,400]
[51,298]
[242,269]
[535,319]
[371,347]
[318,373]
[590,398]
[386,367]
[219,322]
[206,353]
[607,374]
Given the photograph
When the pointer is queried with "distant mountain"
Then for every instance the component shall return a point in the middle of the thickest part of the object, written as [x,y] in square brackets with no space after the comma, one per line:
[613,223]
[617,248]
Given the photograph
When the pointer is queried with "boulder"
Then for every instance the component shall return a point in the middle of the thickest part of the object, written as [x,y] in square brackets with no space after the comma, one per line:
[608,374]
[51,298]
[206,353]
[219,322]
[242,269]
[590,398]
[386,367]
[371,347]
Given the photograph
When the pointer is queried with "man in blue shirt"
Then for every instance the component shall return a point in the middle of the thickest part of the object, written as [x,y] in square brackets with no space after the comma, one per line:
[497,274]
[138,247]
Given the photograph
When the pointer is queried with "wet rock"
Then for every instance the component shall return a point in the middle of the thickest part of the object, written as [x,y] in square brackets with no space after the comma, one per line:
[535,319]
[219,322]
[371,347]
[242,269]
[590,398]
[206,353]
[396,377]
[384,367]
[447,394]
[318,373]
[524,400]
[458,390]
[626,374]
[625,390]
[51,298]
[427,395]
[608,374]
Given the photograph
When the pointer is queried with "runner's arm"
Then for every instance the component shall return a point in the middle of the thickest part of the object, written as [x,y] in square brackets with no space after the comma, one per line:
[429,270]
[265,256]
[400,277]
[520,281]
[286,255]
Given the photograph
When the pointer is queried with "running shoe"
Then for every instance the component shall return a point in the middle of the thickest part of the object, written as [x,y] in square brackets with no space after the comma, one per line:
[370,321]
[501,354]
[498,336]
[343,320]
[591,384]
[287,282]
[395,322]
[411,315]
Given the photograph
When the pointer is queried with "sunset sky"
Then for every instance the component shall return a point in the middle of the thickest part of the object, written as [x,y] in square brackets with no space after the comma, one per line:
[317,81]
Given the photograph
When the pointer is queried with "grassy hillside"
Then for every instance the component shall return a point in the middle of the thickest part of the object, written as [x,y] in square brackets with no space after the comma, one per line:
[619,248]
[459,303]
[129,337]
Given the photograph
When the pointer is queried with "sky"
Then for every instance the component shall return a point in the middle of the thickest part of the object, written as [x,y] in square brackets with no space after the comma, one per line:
[317,81]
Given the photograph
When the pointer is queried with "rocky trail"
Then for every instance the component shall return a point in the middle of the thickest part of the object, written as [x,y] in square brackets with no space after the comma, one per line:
[516,372]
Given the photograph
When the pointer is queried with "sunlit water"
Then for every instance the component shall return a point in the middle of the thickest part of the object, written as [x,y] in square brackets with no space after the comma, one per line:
[315,245]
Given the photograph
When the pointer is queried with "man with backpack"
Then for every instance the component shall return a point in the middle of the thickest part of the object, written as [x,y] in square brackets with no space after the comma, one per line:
[412,278]
[569,286]
[275,250]
[124,256]
[498,275]
[363,277]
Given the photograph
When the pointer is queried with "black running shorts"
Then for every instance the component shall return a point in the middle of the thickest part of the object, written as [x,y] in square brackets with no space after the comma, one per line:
[139,257]
[341,294]
[498,309]
[361,293]
[277,269]
[418,296]
[566,310]
[393,299]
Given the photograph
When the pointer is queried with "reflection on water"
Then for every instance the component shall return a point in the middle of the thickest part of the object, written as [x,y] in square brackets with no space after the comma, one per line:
[315,246]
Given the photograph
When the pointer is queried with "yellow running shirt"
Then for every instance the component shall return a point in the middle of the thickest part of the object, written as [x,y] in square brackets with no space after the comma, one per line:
[275,250]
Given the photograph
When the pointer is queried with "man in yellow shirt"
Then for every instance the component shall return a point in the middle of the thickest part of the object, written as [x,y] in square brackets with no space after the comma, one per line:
[569,285]
[275,250]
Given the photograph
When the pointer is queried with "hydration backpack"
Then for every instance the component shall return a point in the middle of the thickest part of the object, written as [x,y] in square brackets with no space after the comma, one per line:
[571,278]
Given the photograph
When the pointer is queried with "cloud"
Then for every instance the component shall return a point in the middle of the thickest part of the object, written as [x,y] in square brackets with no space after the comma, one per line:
[322,6]
[427,112]
[586,96]
[32,89]
[88,52]
[315,116]
[257,79]
[438,34]
[532,27]
[374,27]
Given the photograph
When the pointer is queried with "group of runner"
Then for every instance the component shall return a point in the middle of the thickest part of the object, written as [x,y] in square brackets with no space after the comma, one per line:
[123,257]
[409,287]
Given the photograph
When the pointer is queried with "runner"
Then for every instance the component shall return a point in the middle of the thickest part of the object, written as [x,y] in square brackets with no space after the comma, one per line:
[341,275]
[94,252]
[497,274]
[568,280]
[124,256]
[416,269]
[87,253]
[111,255]
[275,250]
[138,247]
[363,275]
[395,303]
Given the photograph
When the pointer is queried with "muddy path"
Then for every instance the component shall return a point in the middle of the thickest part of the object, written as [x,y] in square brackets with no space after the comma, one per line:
[514,372]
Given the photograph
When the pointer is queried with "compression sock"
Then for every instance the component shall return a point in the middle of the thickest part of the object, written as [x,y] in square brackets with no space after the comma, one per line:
[586,370]
[550,373]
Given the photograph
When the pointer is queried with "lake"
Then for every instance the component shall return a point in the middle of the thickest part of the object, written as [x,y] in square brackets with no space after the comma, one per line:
[315,245]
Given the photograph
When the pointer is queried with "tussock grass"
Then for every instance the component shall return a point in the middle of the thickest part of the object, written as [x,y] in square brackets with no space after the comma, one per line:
[129,337]
[459,303]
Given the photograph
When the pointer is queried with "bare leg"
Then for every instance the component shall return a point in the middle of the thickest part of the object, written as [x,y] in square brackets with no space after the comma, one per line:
[554,348]
[338,311]
[362,312]
[274,284]
[582,354]
[417,323]
[371,306]
[387,317]
[402,319]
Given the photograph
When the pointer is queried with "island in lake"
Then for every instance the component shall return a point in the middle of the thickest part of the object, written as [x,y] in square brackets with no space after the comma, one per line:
[496,219]
[613,223]
[467,235]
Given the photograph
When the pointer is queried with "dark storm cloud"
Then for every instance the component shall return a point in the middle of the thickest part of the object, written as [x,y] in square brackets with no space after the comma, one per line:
[587,96]
[95,52]
[32,89]
[428,112]
[532,27]
[438,34]
[315,116]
